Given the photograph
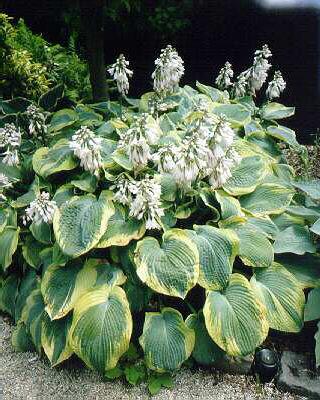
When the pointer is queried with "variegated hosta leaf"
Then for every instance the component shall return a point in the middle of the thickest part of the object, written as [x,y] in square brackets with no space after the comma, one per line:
[47,161]
[80,223]
[282,295]
[101,327]
[54,336]
[235,318]
[29,282]
[173,268]
[305,268]
[166,340]
[312,188]
[294,239]
[246,176]
[32,315]
[312,308]
[21,340]
[255,249]
[263,224]
[8,294]
[267,199]
[9,238]
[205,350]
[217,250]
[230,206]
[62,286]
[121,229]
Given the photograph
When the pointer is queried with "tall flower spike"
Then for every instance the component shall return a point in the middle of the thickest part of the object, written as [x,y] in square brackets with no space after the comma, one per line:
[147,204]
[87,147]
[276,86]
[37,121]
[10,139]
[260,68]
[41,209]
[223,80]
[240,87]
[121,74]
[168,72]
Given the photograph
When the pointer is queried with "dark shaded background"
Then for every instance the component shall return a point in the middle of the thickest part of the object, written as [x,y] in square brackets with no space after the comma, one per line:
[219,30]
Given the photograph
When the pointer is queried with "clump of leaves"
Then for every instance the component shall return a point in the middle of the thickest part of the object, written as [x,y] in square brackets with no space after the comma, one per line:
[170,222]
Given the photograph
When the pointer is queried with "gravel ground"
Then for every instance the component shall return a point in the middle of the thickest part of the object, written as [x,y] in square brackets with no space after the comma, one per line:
[24,377]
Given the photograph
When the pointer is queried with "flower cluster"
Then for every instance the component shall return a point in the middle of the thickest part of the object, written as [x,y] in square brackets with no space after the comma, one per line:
[168,72]
[205,151]
[120,73]
[40,210]
[250,80]
[223,80]
[143,198]
[10,140]
[37,121]
[87,147]
[276,86]
[136,141]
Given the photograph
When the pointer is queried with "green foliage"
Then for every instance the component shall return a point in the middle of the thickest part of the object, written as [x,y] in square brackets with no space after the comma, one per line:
[30,65]
[121,249]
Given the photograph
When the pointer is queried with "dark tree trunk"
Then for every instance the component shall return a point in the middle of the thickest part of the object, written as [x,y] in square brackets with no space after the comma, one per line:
[93,23]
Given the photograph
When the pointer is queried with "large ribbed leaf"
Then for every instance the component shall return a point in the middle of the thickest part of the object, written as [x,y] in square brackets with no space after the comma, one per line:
[54,339]
[62,286]
[230,206]
[268,198]
[282,296]
[80,223]
[8,294]
[235,318]
[166,340]
[121,229]
[294,239]
[29,282]
[47,161]
[101,327]
[8,245]
[32,315]
[255,249]
[21,340]
[236,114]
[312,188]
[315,228]
[217,250]
[305,268]
[312,309]
[173,268]
[263,224]
[205,350]
[246,176]
[273,110]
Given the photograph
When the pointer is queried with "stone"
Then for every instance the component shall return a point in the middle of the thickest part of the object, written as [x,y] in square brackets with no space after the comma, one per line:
[297,377]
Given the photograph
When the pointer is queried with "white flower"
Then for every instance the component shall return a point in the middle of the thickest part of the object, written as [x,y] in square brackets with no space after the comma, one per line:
[37,125]
[146,203]
[123,193]
[87,147]
[11,157]
[223,80]
[168,72]
[223,133]
[4,181]
[10,136]
[240,87]
[137,139]
[260,68]
[10,139]
[120,73]
[165,158]
[41,209]
[276,86]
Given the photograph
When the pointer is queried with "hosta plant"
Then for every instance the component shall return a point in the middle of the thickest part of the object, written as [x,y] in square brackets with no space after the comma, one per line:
[171,223]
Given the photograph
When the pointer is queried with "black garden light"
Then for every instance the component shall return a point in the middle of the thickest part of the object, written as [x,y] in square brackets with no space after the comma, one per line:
[266,364]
